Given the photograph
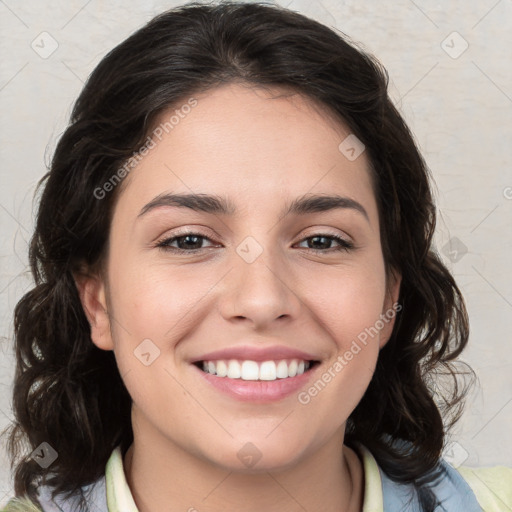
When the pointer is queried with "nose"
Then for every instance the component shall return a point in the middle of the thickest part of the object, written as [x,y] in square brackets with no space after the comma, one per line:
[260,291]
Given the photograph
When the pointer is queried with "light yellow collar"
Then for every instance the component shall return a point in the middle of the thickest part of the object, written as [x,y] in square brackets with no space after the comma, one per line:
[373,500]
[119,496]
[120,499]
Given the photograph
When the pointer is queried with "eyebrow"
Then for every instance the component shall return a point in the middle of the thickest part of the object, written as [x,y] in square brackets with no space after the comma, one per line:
[221,206]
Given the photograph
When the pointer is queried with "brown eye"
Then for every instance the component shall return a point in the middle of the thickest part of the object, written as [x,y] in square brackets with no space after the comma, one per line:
[186,242]
[322,243]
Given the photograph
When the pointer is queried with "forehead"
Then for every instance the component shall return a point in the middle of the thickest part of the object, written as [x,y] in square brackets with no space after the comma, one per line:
[240,140]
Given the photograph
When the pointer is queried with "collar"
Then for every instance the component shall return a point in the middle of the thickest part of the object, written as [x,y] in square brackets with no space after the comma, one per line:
[120,498]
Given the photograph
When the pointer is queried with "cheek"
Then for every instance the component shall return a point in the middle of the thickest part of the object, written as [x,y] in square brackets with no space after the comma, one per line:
[156,301]
[347,301]
[351,318]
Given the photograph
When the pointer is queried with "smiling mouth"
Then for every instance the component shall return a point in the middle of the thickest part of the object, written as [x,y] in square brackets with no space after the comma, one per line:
[256,370]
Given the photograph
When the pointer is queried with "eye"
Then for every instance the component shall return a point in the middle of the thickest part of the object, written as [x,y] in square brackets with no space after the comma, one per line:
[191,242]
[187,242]
[320,240]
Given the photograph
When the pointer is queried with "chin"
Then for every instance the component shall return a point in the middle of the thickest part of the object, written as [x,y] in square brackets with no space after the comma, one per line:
[255,457]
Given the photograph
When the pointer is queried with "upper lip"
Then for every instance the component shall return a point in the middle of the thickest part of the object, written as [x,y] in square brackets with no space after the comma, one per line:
[256,354]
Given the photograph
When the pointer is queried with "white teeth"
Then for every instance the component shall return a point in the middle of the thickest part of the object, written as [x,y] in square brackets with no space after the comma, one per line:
[292,368]
[282,370]
[268,371]
[234,370]
[252,370]
[222,369]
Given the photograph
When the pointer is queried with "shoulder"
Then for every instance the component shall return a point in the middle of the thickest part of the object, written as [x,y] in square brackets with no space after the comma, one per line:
[94,494]
[469,489]
[110,486]
[23,504]
[492,486]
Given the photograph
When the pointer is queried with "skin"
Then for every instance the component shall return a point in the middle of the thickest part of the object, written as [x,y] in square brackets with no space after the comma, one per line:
[260,151]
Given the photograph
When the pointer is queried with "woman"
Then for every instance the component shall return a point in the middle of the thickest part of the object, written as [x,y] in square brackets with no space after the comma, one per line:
[237,305]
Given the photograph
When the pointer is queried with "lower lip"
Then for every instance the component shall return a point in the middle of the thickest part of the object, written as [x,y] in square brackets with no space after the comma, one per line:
[258,390]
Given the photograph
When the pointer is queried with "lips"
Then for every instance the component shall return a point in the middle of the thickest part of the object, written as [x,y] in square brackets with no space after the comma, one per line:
[258,354]
[268,387]
[257,391]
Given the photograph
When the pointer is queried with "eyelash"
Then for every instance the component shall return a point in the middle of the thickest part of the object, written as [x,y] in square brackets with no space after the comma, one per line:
[345,245]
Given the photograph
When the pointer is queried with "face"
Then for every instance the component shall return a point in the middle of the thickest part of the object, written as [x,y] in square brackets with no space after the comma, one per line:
[181,283]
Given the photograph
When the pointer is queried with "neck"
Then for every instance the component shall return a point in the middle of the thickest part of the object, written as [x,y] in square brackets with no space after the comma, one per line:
[163,476]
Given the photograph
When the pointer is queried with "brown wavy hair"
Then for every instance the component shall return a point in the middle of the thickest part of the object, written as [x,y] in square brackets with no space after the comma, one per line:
[69,393]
